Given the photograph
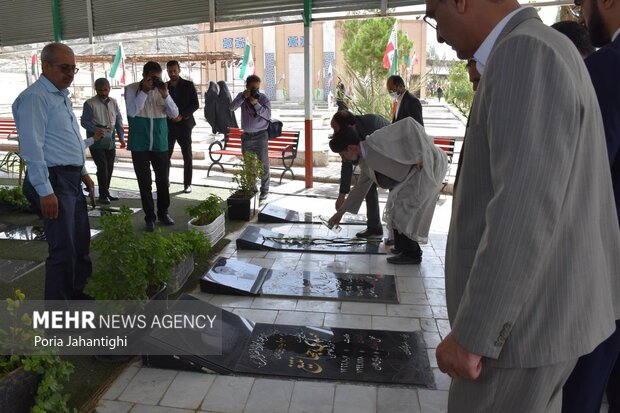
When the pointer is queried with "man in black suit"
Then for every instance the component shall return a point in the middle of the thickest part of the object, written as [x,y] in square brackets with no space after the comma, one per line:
[364,125]
[405,103]
[583,391]
[183,92]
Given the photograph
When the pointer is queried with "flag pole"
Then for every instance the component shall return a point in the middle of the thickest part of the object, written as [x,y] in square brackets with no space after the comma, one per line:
[308,91]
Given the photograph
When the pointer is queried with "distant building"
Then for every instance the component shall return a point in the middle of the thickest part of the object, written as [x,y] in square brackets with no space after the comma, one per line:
[279,56]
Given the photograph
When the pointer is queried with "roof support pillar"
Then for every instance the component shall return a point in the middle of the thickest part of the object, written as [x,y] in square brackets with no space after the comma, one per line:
[308,90]
[56,20]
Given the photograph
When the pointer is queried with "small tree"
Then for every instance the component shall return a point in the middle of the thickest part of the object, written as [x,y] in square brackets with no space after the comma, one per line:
[459,91]
[363,49]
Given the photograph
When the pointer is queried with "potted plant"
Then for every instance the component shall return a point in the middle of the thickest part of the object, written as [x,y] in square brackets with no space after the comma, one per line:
[30,383]
[242,204]
[133,267]
[181,248]
[208,217]
[12,199]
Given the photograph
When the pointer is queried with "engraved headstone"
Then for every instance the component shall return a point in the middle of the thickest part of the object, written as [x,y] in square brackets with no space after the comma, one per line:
[322,353]
[337,354]
[257,238]
[31,233]
[277,214]
[236,332]
[227,276]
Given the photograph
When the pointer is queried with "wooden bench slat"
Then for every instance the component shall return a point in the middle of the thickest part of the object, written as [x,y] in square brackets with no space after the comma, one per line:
[283,147]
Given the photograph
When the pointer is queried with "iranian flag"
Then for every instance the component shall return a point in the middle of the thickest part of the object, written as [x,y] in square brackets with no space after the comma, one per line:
[247,66]
[34,66]
[390,57]
[118,66]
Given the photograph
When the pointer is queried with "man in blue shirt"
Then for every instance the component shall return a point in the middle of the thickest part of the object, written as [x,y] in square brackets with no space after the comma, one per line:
[255,110]
[51,144]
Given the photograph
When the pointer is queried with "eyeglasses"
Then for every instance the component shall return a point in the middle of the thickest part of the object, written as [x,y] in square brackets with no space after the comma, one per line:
[66,69]
[433,23]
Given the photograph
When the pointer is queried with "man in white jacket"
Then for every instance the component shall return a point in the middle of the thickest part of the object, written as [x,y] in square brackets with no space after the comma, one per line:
[404,159]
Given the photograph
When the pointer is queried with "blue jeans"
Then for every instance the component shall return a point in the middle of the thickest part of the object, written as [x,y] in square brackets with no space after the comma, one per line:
[257,142]
[68,264]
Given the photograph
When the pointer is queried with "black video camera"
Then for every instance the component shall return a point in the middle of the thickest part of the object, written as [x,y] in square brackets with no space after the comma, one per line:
[157,82]
[254,93]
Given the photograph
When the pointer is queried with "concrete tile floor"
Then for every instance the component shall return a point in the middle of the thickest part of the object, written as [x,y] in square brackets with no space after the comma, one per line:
[422,307]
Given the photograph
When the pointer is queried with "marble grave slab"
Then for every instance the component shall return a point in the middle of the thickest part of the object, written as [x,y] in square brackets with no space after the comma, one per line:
[236,332]
[277,214]
[228,276]
[257,238]
[31,233]
[320,353]
[375,356]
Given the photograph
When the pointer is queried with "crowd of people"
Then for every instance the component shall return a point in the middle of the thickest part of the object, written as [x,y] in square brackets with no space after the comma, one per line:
[532,268]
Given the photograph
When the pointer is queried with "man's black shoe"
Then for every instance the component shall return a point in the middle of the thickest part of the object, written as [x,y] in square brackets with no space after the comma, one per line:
[370,233]
[103,200]
[402,259]
[394,250]
[150,226]
[263,196]
[389,241]
[112,198]
[166,220]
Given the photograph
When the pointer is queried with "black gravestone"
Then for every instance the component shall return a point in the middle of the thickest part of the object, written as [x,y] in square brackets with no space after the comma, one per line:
[275,214]
[32,233]
[257,238]
[101,210]
[228,276]
[236,332]
[337,354]
[321,353]
[10,270]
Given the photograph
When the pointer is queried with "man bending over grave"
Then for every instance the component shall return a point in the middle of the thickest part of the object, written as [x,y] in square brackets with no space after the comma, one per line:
[402,158]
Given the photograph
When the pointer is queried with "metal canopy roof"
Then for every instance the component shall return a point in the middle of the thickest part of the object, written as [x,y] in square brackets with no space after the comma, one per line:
[28,21]
[25,22]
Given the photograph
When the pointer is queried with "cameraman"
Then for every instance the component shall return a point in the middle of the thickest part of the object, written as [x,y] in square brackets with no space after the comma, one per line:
[148,106]
[255,111]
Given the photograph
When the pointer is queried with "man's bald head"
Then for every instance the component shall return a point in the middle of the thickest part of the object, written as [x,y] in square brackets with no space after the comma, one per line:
[58,65]
[51,51]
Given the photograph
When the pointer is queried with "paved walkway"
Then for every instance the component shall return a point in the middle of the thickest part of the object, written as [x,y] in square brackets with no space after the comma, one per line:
[421,307]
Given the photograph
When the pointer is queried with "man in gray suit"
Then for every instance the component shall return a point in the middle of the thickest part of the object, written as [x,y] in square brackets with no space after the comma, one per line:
[534,240]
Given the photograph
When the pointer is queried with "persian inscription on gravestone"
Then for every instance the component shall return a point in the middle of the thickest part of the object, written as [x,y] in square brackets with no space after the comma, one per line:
[337,354]
[258,238]
[228,276]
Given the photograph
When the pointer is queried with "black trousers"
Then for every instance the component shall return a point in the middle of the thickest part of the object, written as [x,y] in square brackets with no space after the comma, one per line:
[406,245]
[104,159]
[142,161]
[372,209]
[185,142]
[583,391]
[68,264]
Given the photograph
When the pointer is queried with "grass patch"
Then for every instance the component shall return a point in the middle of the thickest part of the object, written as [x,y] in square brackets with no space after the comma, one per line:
[91,378]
